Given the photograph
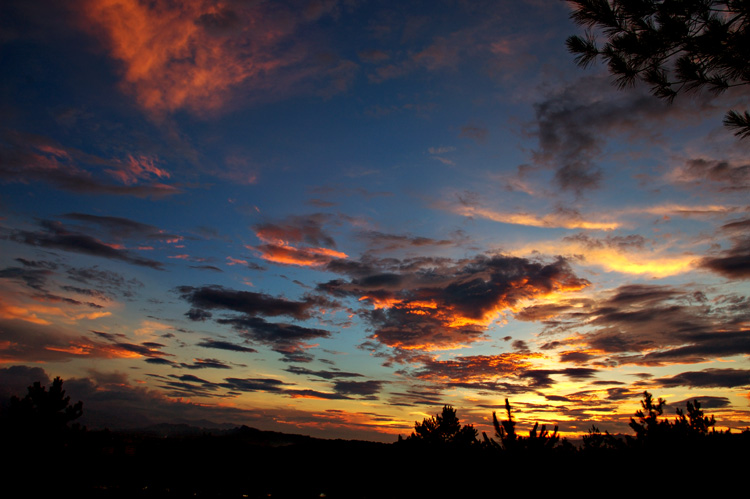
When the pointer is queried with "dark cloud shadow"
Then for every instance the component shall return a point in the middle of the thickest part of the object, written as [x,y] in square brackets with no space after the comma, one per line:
[54,235]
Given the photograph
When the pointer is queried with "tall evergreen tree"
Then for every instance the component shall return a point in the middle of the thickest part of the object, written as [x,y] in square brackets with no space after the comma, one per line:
[41,413]
[444,428]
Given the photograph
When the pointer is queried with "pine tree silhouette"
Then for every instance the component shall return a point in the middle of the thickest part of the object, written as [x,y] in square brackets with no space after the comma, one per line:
[41,415]
[444,428]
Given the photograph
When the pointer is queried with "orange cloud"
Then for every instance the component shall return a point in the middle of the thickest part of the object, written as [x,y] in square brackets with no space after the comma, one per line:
[289,255]
[92,315]
[8,311]
[26,340]
[73,349]
[477,368]
[433,306]
[552,220]
[101,350]
[437,324]
[190,55]
[44,308]
[278,250]
[310,394]
[38,311]
[687,211]
[341,419]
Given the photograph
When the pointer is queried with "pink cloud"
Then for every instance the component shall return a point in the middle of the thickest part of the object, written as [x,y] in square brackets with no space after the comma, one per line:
[136,169]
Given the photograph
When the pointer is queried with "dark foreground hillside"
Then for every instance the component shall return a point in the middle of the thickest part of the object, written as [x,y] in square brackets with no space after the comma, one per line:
[47,455]
[238,464]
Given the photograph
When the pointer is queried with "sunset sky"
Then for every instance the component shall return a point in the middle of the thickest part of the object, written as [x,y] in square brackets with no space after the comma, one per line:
[333,217]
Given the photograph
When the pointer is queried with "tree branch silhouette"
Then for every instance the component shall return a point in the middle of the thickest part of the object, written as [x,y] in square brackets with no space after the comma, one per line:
[674,46]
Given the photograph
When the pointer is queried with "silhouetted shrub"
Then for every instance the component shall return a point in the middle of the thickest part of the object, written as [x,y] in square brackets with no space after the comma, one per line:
[539,439]
[444,428]
[686,429]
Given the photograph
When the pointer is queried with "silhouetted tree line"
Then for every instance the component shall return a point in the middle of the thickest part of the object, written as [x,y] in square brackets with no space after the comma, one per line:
[650,431]
[688,428]
[685,455]
[441,458]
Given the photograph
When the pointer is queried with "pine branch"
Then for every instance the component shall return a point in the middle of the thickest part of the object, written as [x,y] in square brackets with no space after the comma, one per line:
[739,122]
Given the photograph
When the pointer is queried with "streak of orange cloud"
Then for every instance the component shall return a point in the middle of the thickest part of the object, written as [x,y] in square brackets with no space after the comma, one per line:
[55,151]
[73,349]
[38,311]
[235,261]
[92,315]
[533,220]
[289,255]
[115,352]
[668,210]
[337,418]
[308,396]
[278,250]
[378,303]
[28,312]
[8,311]
[98,350]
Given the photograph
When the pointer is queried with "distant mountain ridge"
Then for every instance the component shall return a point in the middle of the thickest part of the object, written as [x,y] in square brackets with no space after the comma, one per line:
[245,434]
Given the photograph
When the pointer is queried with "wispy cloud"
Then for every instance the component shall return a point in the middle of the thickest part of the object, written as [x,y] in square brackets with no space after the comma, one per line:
[208,298]
[136,169]
[477,133]
[574,123]
[290,340]
[26,158]
[684,210]
[722,175]
[378,241]
[568,219]
[55,235]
